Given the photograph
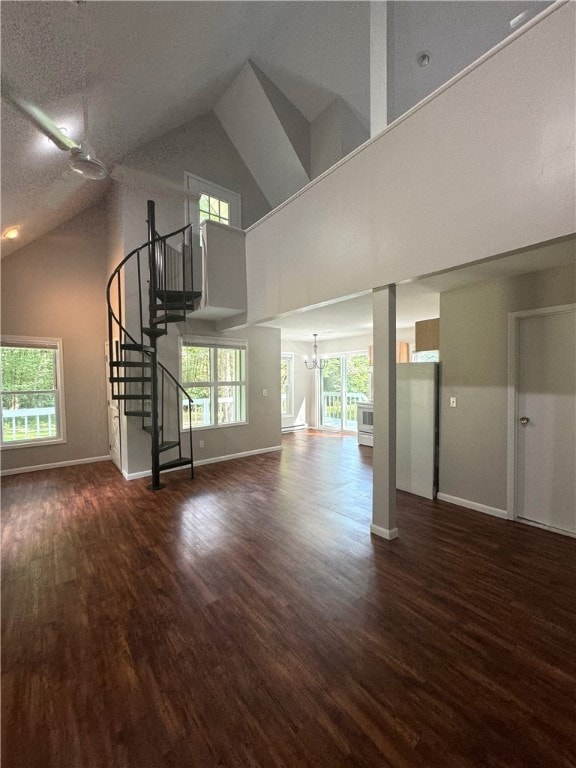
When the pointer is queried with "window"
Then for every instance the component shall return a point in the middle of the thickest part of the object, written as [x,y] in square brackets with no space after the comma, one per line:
[32,392]
[216,203]
[214,209]
[287,384]
[215,378]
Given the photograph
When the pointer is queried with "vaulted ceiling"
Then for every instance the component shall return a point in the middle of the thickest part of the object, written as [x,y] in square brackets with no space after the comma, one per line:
[152,66]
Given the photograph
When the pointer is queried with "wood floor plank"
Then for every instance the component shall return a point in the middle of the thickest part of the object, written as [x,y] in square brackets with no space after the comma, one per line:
[247,619]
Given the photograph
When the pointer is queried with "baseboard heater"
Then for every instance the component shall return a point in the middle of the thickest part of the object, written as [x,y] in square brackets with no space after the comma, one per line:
[294,428]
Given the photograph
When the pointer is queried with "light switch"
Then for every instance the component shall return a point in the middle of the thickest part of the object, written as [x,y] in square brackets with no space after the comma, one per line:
[452,402]
[264,393]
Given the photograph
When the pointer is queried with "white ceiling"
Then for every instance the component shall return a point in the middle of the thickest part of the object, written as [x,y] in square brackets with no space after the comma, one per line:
[419,299]
[153,66]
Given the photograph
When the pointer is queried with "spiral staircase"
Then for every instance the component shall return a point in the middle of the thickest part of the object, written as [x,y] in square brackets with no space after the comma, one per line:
[161,276]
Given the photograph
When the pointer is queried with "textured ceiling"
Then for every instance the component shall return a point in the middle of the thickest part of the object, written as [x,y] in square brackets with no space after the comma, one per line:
[152,66]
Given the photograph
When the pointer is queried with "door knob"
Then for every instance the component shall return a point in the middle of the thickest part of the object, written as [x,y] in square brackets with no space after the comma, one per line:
[524,420]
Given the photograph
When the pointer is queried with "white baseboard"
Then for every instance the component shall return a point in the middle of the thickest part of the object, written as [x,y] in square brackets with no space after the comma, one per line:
[384,532]
[494,511]
[201,462]
[55,465]
[294,428]
[544,527]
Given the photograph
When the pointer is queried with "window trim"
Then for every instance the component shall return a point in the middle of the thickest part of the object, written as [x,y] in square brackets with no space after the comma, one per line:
[216,343]
[41,343]
[289,356]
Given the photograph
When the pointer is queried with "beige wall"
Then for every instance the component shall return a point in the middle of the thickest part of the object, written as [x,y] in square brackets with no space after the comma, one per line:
[474,369]
[55,287]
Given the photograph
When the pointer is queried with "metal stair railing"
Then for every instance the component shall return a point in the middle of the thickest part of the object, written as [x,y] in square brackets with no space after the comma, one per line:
[170,292]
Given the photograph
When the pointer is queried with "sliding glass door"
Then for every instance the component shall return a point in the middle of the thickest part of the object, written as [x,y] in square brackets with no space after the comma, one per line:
[344,382]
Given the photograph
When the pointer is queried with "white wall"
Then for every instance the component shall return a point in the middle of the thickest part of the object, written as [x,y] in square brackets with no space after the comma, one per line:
[452,183]
[474,360]
[453,33]
[202,147]
[334,134]
[303,393]
[306,382]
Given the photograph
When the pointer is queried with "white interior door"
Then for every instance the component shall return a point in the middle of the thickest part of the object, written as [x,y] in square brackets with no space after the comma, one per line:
[113,419]
[546,420]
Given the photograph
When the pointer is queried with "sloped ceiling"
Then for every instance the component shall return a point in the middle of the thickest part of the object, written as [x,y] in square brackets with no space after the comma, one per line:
[152,66]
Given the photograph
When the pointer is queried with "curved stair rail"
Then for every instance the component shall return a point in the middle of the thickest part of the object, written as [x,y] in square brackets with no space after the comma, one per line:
[146,387]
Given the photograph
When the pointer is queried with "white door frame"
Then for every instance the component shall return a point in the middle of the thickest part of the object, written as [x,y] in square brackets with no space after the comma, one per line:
[109,405]
[513,346]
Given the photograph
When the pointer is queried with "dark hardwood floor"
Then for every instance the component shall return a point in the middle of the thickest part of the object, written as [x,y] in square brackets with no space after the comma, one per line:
[248,620]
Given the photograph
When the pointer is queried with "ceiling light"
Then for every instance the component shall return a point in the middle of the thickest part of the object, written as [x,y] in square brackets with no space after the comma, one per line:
[62,129]
[314,362]
[83,162]
[11,234]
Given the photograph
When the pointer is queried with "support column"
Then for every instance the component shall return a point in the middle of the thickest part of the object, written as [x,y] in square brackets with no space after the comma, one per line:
[384,483]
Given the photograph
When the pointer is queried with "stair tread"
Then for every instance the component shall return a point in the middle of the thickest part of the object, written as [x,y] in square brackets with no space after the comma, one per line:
[168,318]
[131,363]
[144,414]
[154,331]
[137,348]
[186,305]
[177,295]
[183,462]
[168,444]
[129,379]
[131,397]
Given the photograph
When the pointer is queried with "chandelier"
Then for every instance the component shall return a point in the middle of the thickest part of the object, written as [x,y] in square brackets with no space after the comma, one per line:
[314,362]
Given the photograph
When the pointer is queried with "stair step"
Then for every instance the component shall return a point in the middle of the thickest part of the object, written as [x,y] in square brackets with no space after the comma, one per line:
[188,306]
[129,379]
[131,397]
[174,296]
[168,445]
[155,331]
[183,462]
[143,414]
[136,348]
[131,364]
[169,318]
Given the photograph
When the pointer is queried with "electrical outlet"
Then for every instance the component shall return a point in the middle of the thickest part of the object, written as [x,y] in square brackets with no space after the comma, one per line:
[201,444]
[452,402]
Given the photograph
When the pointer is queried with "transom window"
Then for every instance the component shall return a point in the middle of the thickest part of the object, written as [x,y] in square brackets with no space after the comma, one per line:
[214,375]
[31,391]
[215,203]
[214,209]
